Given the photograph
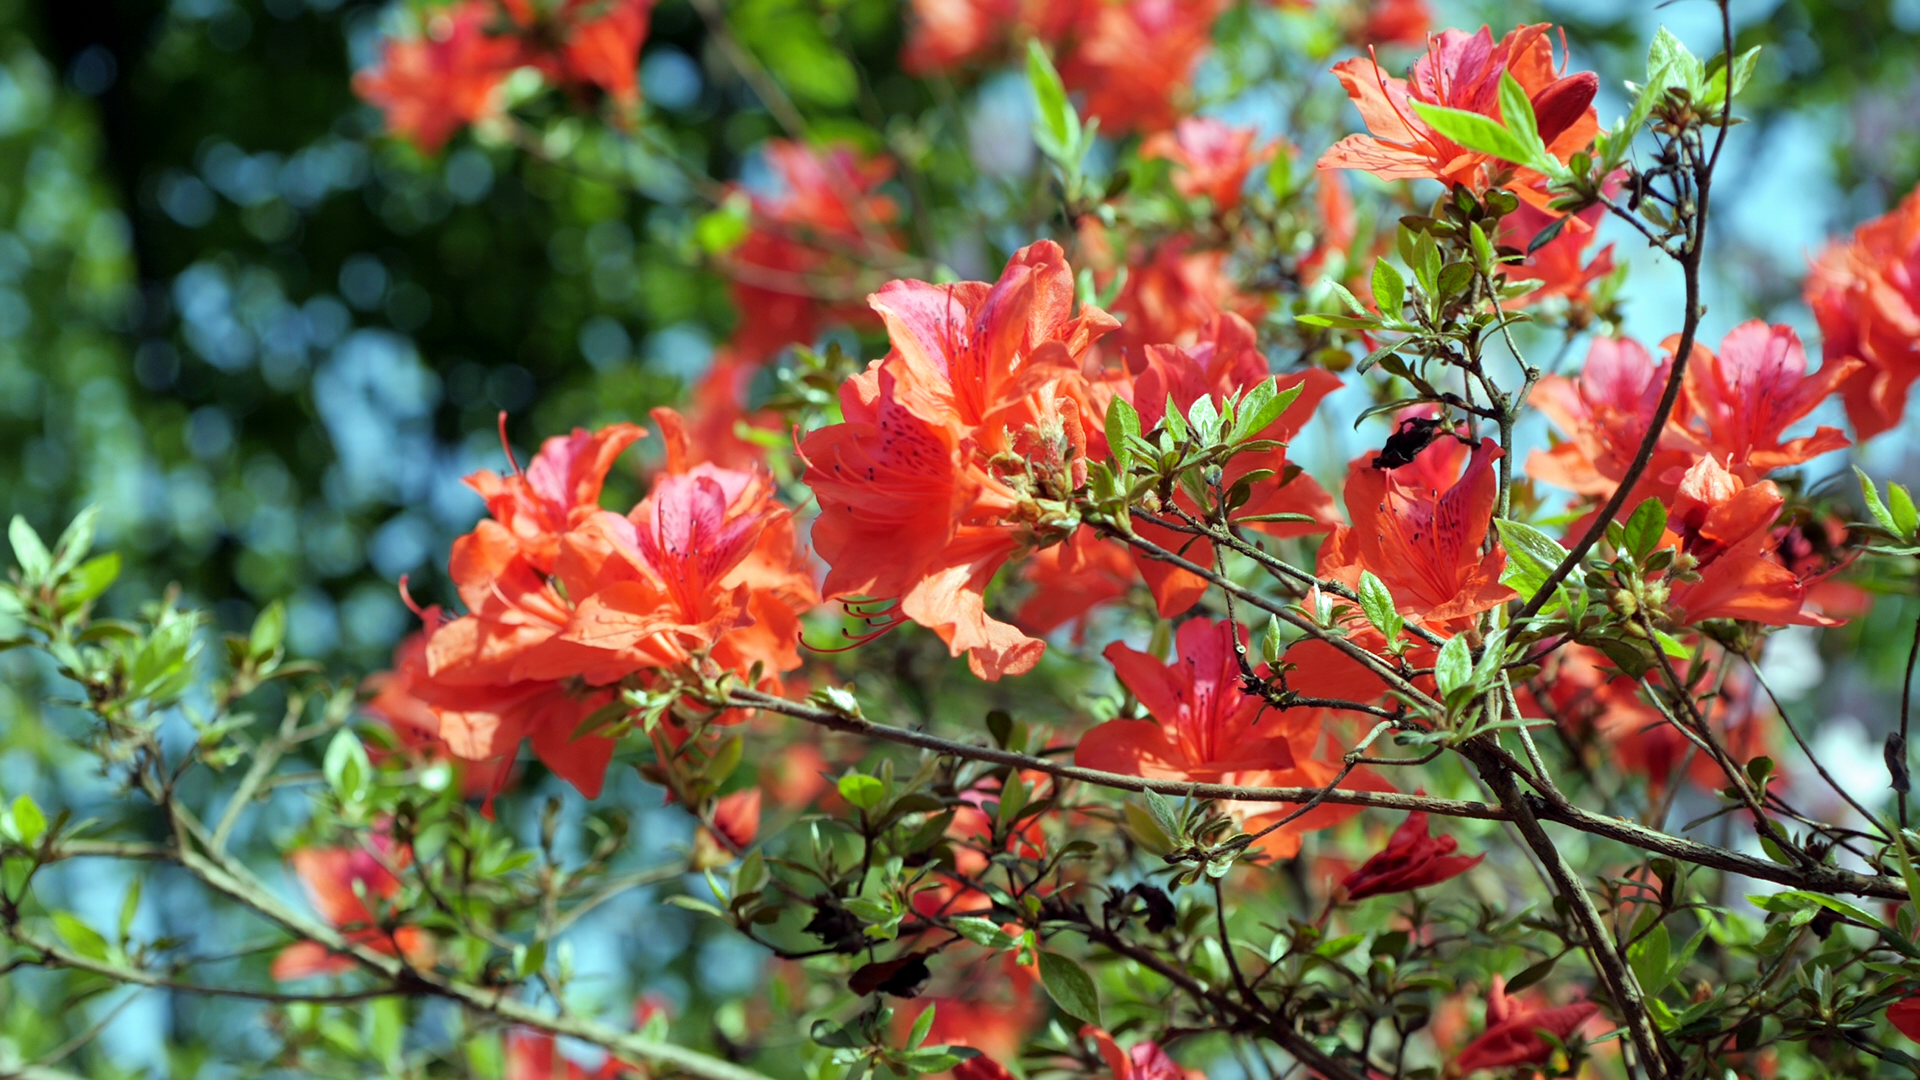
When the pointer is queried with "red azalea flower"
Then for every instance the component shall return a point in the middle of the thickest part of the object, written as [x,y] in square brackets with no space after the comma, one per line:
[1210,157]
[432,86]
[795,249]
[956,451]
[737,816]
[1205,728]
[1744,399]
[337,879]
[1904,1015]
[1462,71]
[1865,292]
[1130,58]
[1420,529]
[1412,859]
[1513,1032]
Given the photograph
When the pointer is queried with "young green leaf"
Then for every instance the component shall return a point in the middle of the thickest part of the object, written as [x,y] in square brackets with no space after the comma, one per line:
[1389,288]
[1056,127]
[1644,528]
[1376,602]
[1475,132]
[1453,669]
[861,790]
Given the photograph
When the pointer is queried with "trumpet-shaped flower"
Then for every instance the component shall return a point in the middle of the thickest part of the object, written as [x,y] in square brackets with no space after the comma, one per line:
[1513,1035]
[1865,292]
[337,879]
[1743,400]
[1412,859]
[1210,157]
[958,451]
[1463,71]
[1420,529]
[1205,728]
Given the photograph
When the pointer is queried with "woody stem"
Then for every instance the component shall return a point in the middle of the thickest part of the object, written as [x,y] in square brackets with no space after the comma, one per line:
[1818,878]
[1690,256]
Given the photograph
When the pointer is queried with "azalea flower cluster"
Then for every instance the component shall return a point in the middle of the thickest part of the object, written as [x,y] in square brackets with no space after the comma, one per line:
[1064,454]
[570,605]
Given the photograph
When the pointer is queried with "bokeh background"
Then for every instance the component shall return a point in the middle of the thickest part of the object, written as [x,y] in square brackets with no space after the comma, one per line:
[269,341]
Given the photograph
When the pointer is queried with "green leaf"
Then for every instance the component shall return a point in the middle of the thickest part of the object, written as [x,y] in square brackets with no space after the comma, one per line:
[862,791]
[29,824]
[1516,112]
[1389,288]
[1056,127]
[1905,518]
[1874,506]
[980,931]
[346,767]
[1204,418]
[1716,88]
[920,1028]
[1475,132]
[1532,975]
[1338,322]
[1123,425]
[1671,645]
[269,630]
[1070,987]
[1651,960]
[1376,602]
[1453,669]
[80,937]
[129,909]
[725,227]
[1644,527]
[1532,556]
[1263,405]
[75,541]
[88,580]
[28,551]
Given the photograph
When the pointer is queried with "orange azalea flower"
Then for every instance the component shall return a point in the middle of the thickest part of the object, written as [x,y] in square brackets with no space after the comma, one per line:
[560,486]
[414,722]
[1130,58]
[1745,398]
[330,876]
[737,817]
[1338,226]
[706,565]
[1866,294]
[1513,1032]
[1395,22]
[586,42]
[1070,580]
[1462,71]
[957,450]
[1420,529]
[947,34]
[1726,525]
[707,562]
[715,433]
[1584,694]
[1560,264]
[1144,1060]
[431,87]
[1210,157]
[1606,411]
[1227,361]
[1206,729]
[1172,296]
[778,270]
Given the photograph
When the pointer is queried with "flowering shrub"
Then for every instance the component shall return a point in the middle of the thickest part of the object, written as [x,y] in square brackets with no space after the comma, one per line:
[1240,772]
